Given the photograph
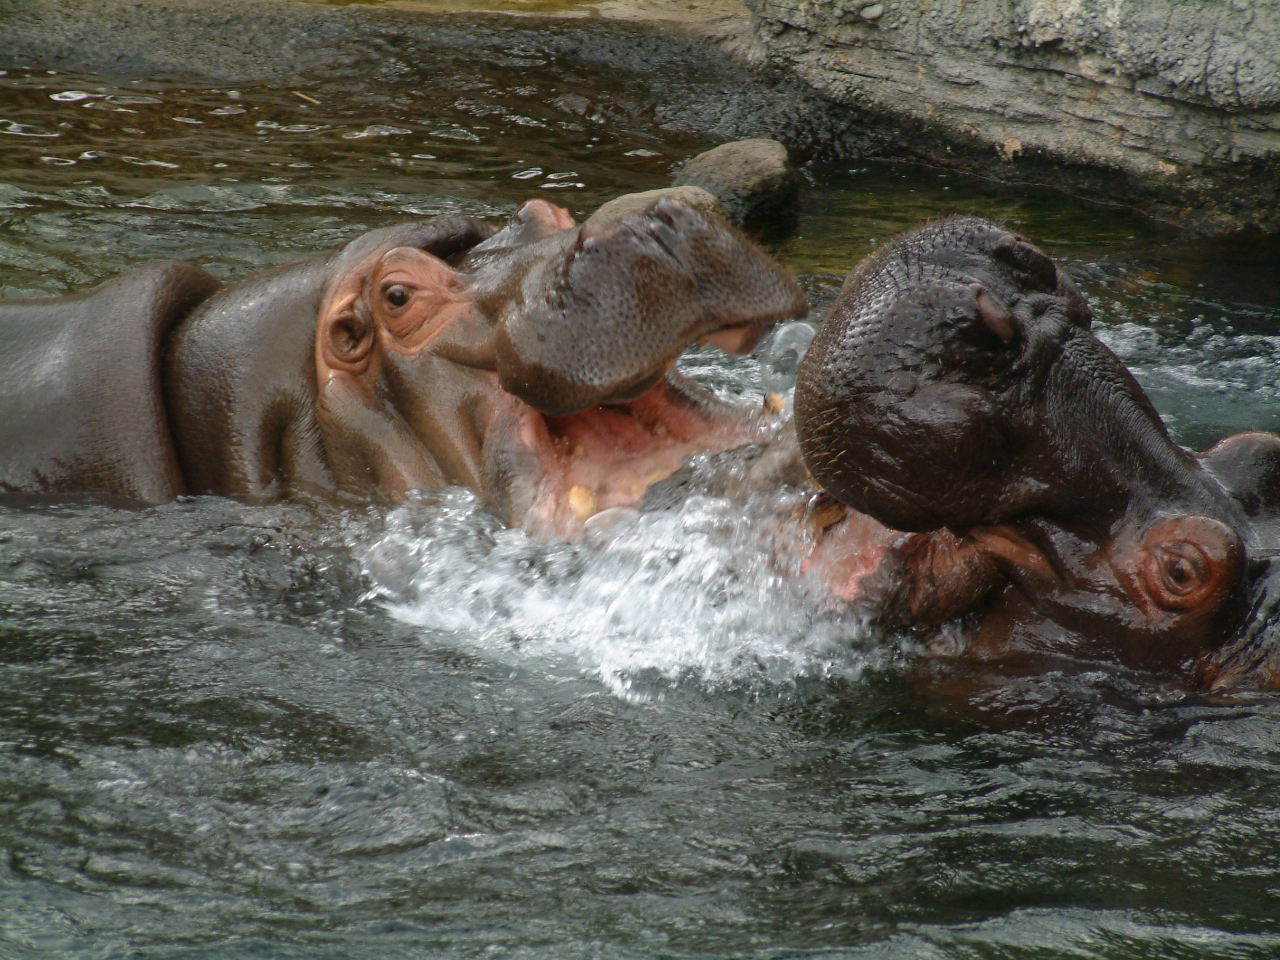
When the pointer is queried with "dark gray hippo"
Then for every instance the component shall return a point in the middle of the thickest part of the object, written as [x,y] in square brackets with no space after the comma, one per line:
[1001,462]
[533,364]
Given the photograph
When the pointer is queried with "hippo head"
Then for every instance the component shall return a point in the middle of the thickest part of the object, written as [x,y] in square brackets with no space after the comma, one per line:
[956,386]
[534,364]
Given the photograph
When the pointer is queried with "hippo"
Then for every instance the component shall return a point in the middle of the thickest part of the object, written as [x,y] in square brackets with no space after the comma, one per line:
[533,364]
[983,455]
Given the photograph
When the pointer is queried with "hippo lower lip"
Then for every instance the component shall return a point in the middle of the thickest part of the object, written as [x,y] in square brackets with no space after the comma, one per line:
[1016,553]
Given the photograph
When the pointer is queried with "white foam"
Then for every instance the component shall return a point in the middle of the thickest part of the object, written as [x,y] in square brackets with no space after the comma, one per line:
[662,597]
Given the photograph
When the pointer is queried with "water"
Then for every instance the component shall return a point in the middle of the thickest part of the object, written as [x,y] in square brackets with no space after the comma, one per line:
[300,731]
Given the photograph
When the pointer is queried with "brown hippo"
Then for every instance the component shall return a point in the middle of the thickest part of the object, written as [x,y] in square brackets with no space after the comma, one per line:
[533,364]
[1002,463]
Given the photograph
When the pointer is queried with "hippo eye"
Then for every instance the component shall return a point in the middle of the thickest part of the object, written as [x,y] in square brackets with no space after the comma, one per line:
[1182,567]
[1178,571]
[1191,562]
[397,294]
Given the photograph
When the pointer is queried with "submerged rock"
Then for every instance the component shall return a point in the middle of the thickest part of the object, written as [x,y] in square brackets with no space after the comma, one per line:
[750,183]
[754,180]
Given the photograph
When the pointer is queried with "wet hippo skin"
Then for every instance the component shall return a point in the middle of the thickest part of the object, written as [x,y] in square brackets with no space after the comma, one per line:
[81,391]
[1001,463]
[533,364]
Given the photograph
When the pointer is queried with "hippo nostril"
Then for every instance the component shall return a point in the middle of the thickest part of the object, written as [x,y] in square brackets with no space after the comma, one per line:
[1022,256]
[664,235]
[668,211]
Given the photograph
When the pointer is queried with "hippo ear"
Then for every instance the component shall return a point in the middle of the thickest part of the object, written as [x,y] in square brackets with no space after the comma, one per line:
[1191,562]
[995,315]
[1248,467]
[346,338]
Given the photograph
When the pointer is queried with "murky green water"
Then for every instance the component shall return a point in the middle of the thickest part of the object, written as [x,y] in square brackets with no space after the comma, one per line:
[299,732]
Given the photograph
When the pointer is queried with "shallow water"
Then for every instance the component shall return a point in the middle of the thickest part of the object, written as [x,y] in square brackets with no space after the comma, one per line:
[299,731]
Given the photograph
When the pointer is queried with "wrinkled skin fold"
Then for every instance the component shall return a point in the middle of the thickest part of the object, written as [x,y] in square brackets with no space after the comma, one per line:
[533,363]
[1012,470]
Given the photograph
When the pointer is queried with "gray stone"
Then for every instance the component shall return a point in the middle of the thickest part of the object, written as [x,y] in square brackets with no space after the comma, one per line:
[754,179]
[1179,97]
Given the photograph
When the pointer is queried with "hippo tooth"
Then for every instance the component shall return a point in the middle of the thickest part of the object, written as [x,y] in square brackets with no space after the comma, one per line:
[608,518]
[775,402]
[582,500]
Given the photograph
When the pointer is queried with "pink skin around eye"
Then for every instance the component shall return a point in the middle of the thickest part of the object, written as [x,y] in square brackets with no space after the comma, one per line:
[437,297]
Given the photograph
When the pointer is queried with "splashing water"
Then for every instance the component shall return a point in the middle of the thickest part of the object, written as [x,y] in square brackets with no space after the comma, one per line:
[693,593]
[782,356]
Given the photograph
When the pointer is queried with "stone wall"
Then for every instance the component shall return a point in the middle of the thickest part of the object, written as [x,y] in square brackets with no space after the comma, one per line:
[1181,98]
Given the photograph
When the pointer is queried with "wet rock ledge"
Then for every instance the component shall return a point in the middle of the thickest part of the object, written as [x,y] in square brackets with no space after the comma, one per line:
[1178,100]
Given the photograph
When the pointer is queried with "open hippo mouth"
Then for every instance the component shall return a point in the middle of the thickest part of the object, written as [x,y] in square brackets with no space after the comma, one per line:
[537,366]
[532,364]
[591,322]
[576,471]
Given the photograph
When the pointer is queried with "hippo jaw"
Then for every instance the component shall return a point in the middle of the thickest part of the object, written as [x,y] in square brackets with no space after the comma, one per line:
[956,386]
[1034,586]
[537,366]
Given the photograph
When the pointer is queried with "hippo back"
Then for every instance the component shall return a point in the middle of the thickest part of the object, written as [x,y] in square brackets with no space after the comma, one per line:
[81,408]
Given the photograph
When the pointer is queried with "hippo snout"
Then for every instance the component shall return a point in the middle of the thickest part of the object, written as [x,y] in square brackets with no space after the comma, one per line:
[597,313]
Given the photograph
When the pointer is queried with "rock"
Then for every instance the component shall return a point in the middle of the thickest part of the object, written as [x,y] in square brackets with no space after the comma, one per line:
[695,197]
[1178,101]
[754,180]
